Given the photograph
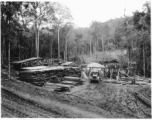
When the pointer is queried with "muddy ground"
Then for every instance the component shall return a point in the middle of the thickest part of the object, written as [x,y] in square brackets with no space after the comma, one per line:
[119,100]
[90,100]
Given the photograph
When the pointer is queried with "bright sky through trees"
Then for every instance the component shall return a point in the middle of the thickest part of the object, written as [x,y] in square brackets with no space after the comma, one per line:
[86,11]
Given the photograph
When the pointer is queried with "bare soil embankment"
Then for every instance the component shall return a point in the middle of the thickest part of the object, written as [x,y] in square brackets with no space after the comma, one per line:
[119,100]
[24,100]
[101,100]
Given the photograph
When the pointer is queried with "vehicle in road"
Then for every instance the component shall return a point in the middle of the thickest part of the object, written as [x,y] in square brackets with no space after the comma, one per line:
[95,75]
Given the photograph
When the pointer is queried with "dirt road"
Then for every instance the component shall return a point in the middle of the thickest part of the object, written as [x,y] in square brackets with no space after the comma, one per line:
[17,104]
[102,100]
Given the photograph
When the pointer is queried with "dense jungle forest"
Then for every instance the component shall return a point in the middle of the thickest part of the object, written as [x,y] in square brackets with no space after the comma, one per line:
[45,29]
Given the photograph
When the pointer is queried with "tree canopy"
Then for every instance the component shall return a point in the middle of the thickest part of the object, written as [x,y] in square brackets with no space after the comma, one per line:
[45,29]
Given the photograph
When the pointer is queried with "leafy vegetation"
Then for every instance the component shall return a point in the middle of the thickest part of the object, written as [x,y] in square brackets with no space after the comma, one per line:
[45,29]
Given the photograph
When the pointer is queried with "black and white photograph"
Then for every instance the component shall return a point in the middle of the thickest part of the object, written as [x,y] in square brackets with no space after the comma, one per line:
[76,59]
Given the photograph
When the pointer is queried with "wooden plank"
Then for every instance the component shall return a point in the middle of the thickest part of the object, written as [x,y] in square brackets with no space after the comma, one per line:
[69,77]
[34,68]
[73,79]
[69,83]
[45,69]
[67,63]
[62,85]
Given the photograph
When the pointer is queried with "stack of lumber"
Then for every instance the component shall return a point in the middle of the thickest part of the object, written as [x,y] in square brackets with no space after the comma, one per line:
[54,79]
[72,71]
[41,74]
[72,80]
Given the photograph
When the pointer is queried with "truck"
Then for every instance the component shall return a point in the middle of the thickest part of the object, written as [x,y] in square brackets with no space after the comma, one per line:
[95,75]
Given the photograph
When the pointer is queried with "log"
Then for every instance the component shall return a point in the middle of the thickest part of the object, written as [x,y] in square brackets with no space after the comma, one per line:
[109,81]
[69,83]
[62,85]
[73,79]
[44,74]
[119,82]
[84,76]
[143,99]
[63,89]
[115,82]
[142,83]
[50,84]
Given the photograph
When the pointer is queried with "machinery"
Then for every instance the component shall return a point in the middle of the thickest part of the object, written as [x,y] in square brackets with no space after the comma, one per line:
[95,75]
[95,72]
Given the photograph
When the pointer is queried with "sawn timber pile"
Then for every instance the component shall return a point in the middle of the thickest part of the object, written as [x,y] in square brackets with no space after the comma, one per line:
[39,77]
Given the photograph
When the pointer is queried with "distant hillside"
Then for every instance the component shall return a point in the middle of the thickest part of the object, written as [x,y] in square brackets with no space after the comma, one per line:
[107,55]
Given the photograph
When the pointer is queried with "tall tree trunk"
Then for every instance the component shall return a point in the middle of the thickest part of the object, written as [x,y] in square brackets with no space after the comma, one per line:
[19,47]
[95,46]
[102,44]
[64,55]
[50,48]
[36,44]
[76,51]
[35,41]
[9,67]
[128,54]
[90,48]
[3,50]
[32,46]
[94,51]
[144,67]
[58,43]
[38,41]
[66,47]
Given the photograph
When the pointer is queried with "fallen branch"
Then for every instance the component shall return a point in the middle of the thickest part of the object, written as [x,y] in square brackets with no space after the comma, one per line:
[143,99]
